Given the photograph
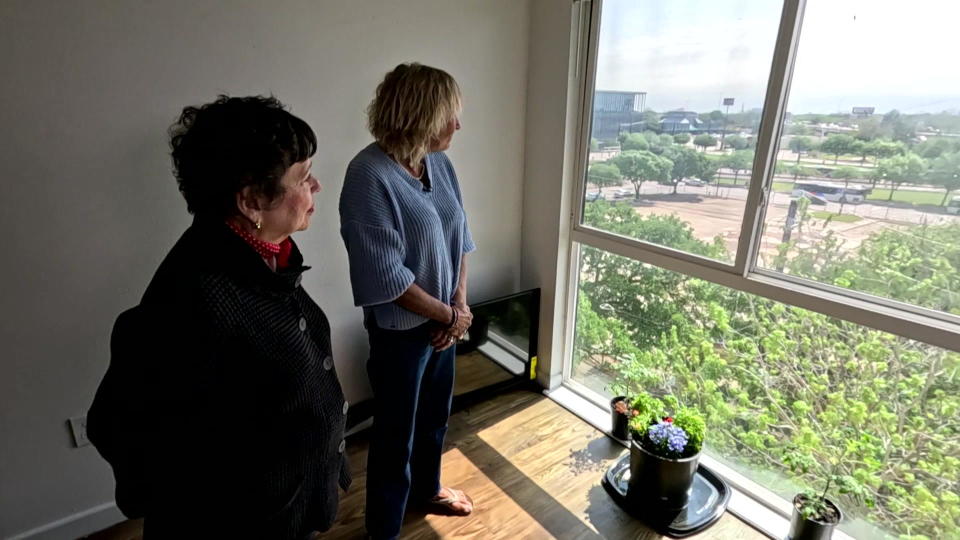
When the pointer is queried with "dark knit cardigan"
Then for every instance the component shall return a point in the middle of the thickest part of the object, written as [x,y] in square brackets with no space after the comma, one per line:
[221,413]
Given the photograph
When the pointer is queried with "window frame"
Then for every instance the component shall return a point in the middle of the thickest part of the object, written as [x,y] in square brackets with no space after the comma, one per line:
[907,320]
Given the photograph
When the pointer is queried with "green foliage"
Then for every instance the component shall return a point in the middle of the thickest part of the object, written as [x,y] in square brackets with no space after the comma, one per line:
[686,163]
[634,141]
[801,145]
[642,166]
[648,410]
[693,423]
[738,161]
[704,141]
[945,172]
[899,170]
[681,138]
[838,144]
[788,390]
[736,142]
[603,174]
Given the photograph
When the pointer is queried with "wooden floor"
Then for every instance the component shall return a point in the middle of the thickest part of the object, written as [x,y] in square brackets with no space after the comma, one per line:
[474,371]
[533,470]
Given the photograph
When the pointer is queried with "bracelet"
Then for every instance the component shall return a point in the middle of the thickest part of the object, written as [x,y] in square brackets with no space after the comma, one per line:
[454,317]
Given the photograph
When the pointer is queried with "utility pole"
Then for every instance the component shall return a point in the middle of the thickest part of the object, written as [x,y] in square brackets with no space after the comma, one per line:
[727,102]
[788,230]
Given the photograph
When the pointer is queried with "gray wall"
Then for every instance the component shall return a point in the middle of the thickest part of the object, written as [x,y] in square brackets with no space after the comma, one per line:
[87,90]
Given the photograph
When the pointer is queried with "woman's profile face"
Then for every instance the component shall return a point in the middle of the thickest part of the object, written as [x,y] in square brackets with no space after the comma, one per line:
[292,213]
[442,142]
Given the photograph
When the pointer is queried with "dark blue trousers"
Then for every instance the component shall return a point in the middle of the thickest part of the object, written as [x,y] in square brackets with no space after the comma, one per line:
[412,389]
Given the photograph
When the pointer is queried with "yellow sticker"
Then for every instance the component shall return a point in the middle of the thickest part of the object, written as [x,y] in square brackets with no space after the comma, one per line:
[533,368]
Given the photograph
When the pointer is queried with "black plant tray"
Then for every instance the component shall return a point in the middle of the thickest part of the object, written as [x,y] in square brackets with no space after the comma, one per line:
[708,502]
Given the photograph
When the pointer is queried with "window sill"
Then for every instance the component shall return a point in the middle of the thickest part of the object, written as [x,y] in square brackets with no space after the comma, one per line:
[756,506]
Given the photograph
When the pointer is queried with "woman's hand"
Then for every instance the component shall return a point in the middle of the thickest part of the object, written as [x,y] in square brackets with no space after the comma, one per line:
[464,318]
[444,338]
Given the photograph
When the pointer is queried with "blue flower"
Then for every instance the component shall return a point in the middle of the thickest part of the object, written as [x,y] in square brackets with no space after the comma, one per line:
[667,437]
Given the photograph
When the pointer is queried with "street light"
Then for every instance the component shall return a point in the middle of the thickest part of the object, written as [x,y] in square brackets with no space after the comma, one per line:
[727,102]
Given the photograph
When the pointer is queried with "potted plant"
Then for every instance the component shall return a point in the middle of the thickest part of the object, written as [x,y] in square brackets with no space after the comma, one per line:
[620,414]
[664,453]
[814,515]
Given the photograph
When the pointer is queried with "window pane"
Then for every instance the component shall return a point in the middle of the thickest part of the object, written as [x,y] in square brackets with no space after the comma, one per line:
[679,91]
[778,383]
[868,163]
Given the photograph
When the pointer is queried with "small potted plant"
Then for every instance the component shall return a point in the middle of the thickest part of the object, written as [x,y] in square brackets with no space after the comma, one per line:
[664,453]
[814,515]
[620,414]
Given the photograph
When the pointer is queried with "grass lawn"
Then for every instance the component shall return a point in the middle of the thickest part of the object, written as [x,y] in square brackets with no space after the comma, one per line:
[902,195]
[879,194]
[842,218]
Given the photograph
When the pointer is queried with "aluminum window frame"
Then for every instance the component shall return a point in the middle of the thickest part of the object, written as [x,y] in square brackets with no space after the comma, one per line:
[907,320]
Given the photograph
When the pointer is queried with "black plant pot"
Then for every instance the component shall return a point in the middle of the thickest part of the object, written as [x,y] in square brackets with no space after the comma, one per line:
[658,482]
[620,425]
[802,528]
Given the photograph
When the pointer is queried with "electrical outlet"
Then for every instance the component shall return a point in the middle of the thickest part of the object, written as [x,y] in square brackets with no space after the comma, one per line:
[78,426]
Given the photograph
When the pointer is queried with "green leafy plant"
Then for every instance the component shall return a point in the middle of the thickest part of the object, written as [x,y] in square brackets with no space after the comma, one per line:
[814,505]
[673,436]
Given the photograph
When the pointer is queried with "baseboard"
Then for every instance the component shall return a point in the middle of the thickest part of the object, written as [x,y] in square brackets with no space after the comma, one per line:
[76,525]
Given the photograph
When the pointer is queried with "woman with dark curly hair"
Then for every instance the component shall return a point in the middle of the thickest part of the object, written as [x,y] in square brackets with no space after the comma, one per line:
[402,220]
[221,412]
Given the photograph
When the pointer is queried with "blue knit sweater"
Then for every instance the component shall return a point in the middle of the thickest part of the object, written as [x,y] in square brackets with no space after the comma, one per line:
[397,233]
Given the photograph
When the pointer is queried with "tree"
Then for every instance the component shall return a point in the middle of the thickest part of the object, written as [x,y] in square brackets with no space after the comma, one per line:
[899,170]
[945,172]
[780,385]
[845,174]
[705,140]
[869,129]
[881,148]
[594,144]
[687,163]
[799,129]
[651,120]
[737,142]
[934,148]
[715,118]
[665,140]
[681,138]
[801,145]
[634,141]
[899,126]
[603,174]
[836,145]
[738,161]
[639,166]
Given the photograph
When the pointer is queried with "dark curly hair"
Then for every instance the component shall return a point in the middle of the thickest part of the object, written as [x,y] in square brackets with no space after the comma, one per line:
[222,147]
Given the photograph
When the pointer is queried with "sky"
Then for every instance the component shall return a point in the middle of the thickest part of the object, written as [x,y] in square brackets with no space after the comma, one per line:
[887,54]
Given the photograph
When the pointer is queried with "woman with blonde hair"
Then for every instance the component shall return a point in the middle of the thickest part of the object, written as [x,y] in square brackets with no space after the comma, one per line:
[402,220]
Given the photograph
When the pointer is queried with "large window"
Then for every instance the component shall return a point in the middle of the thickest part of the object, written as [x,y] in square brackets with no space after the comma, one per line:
[874,154]
[780,384]
[677,135]
[766,227]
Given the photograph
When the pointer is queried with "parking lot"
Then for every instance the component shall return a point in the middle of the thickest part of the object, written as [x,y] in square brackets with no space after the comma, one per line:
[711,212]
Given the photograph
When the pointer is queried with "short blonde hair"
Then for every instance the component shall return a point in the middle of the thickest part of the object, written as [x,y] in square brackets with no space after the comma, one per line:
[411,108]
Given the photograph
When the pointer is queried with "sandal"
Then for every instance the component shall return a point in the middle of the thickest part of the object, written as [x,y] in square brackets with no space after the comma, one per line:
[445,505]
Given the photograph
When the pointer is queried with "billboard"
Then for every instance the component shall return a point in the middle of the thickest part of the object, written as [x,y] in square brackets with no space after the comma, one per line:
[727,101]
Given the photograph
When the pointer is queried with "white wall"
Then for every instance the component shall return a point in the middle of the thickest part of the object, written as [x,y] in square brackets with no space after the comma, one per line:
[87,90]
[547,173]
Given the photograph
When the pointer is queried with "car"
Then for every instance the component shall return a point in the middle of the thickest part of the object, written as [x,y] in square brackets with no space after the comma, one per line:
[692,182]
[623,193]
[594,195]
